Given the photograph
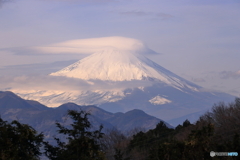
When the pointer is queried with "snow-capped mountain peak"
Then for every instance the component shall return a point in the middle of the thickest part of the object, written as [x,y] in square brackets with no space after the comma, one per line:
[117,65]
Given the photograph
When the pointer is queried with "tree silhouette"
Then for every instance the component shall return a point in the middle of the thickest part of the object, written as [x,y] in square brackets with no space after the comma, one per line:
[83,144]
[19,141]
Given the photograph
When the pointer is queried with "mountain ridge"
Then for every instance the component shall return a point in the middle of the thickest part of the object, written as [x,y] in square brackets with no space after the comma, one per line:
[43,120]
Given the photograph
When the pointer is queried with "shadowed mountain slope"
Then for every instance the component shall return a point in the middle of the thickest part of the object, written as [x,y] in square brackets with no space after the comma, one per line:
[43,119]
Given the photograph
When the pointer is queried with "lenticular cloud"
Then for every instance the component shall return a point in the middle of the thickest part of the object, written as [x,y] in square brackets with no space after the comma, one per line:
[92,45]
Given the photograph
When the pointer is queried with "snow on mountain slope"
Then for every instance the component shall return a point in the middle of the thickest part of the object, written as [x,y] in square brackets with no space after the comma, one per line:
[159,100]
[117,65]
[57,98]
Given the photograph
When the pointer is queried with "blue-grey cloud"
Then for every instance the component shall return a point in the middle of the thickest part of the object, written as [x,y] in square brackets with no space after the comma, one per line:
[135,13]
[85,1]
[4,1]
[235,91]
[162,16]
[229,74]
[20,50]
[34,69]
[198,80]
[64,84]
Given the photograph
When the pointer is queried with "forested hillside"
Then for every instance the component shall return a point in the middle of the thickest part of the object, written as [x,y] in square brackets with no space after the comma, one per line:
[217,130]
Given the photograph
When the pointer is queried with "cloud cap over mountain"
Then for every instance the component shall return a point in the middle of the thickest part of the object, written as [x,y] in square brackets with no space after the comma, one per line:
[91,45]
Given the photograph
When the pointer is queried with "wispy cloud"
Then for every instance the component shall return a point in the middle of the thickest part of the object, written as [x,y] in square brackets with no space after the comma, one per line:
[135,13]
[162,16]
[88,1]
[4,1]
[229,74]
[42,82]
[198,80]
[57,83]
[34,69]
[235,92]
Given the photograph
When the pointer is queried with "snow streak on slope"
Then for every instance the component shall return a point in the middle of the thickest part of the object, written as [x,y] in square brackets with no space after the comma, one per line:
[158,100]
[116,65]
[56,98]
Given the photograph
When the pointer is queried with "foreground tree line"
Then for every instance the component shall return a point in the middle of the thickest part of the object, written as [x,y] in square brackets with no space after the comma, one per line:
[217,130]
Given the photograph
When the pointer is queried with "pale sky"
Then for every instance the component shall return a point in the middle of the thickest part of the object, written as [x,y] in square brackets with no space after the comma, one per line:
[197,39]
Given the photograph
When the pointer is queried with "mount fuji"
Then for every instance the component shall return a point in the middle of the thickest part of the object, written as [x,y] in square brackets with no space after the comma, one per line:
[115,65]
[128,80]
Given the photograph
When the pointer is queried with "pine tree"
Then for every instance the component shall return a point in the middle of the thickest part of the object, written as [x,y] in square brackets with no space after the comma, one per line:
[82,143]
[19,141]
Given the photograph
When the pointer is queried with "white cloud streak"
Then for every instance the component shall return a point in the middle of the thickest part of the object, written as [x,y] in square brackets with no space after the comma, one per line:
[55,83]
[87,46]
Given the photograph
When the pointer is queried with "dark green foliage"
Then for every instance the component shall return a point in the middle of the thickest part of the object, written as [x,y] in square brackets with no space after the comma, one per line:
[82,143]
[19,141]
[145,140]
[150,142]
[199,143]
[118,154]
[217,131]
[186,123]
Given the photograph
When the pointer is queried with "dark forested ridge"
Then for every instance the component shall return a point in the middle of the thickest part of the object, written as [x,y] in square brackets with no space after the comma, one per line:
[217,130]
